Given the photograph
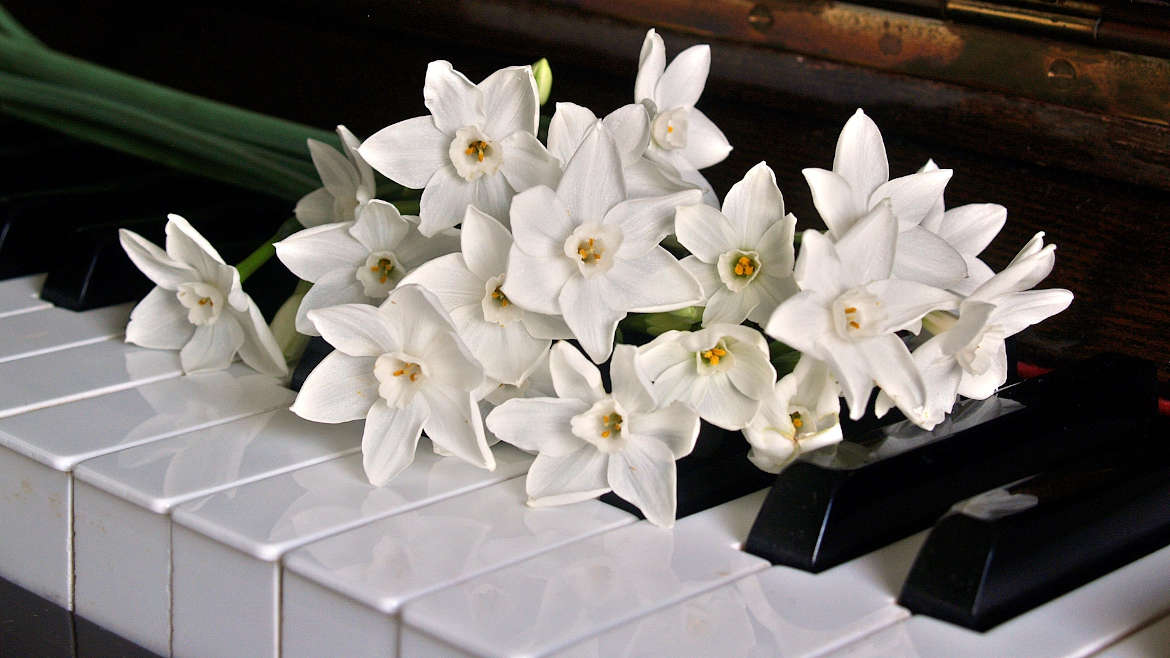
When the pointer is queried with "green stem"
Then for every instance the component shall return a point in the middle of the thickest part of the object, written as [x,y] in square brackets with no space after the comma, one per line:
[11,27]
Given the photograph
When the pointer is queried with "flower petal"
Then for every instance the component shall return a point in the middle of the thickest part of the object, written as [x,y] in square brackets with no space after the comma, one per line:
[564,479]
[567,129]
[675,425]
[485,244]
[155,263]
[818,267]
[800,322]
[683,80]
[573,376]
[645,177]
[925,257]
[631,387]
[904,302]
[315,208]
[511,102]
[535,283]
[851,370]
[867,249]
[508,353]
[834,200]
[355,329]
[455,425]
[337,172]
[651,283]
[663,353]
[723,404]
[651,65]
[972,227]
[645,222]
[752,374]
[705,232]
[541,223]
[705,274]
[593,182]
[772,292]
[552,327]
[727,307]
[981,387]
[630,126]
[445,200]
[337,287]
[861,155]
[892,368]
[453,100]
[1017,311]
[379,227]
[644,474]
[538,424]
[314,252]
[449,279]
[754,204]
[1026,270]
[389,440]
[212,346]
[706,143]
[260,349]
[186,245]
[913,196]
[408,152]
[159,321]
[526,163]
[341,388]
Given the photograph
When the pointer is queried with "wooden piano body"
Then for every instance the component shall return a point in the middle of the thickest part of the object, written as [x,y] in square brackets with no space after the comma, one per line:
[213,528]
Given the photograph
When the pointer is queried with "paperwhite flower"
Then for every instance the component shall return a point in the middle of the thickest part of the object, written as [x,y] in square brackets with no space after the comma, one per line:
[477,147]
[681,137]
[968,356]
[722,371]
[197,305]
[849,309]
[589,442]
[358,262]
[585,253]
[860,180]
[348,179]
[630,126]
[508,340]
[969,229]
[403,368]
[798,417]
[742,256]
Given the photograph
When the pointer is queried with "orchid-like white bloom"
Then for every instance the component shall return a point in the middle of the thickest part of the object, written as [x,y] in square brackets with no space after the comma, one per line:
[742,256]
[682,138]
[849,309]
[403,368]
[358,262]
[860,180]
[798,417]
[722,371]
[630,126]
[508,340]
[585,253]
[198,305]
[968,356]
[589,442]
[477,147]
[348,182]
[969,229]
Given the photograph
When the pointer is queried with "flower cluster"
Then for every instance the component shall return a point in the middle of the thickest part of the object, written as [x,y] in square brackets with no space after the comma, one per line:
[529,264]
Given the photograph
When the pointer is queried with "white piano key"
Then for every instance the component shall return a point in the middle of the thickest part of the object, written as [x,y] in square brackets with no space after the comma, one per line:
[546,603]
[36,490]
[21,295]
[1148,642]
[778,612]
[50,329]
[251,527]
[1078,623]
[368,573]
[122,534]
[80,372]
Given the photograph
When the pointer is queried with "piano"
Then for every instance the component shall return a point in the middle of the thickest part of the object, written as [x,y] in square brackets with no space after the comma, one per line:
[142,512]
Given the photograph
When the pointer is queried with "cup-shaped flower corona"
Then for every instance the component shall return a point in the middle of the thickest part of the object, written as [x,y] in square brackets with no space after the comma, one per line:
[849,310]
[722,371]
[585,253]
[589,442]
[508,340]
[197,306]
[477,147]
[358,262]
[798,417]
[860,180]
[403,368]
[742,256]
[348,182]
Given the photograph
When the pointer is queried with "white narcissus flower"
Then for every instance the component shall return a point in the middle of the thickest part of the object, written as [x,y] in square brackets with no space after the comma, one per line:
[585,253]
[742,256]
[849,309]
[197,306]
[798,417]
[508,340]
[722,371]
[860,180]
[403,368]
[477,147]
[348,182]
[681,137]
[968,356]
[589,442]
[969,229]
[358,262]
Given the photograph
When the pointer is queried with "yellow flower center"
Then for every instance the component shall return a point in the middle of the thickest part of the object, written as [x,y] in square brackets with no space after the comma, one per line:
[797,422]
[500,297]
[610,423]
[382,269]
[711,357]
[851,317]
[410,370]
[589,251]
[206,301]
[745,266]
[478,147]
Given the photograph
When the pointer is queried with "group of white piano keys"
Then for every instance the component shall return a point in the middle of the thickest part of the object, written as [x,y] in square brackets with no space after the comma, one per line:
[197,516]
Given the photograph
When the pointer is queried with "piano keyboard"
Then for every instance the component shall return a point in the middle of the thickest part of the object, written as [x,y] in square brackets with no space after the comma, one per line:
[196,516]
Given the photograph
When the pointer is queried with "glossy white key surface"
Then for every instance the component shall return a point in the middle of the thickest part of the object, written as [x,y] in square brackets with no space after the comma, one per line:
[546,603]
[383,564]
[257,523]
[63,435]
[28,334]
[21,295]
[80,372]
[778,612]
[35,528]
[1078,623]
[1148,642]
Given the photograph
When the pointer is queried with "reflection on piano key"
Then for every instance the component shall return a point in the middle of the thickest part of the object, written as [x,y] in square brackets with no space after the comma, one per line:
[550,601]
[122,536]
[375,569]
[29,334]
[1149,641]
[226,585]
[21,295]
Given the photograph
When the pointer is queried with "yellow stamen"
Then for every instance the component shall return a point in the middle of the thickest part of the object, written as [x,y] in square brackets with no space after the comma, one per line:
[851,309]
[477,147]
[719,351]
[670,129]
[605,434]
[588,251]
[399,372]
[796,421]
[853,323]
[414,375]
[744,266]
[204,301]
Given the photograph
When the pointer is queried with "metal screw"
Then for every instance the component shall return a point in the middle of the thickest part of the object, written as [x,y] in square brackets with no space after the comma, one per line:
[760,18]
[1062,69]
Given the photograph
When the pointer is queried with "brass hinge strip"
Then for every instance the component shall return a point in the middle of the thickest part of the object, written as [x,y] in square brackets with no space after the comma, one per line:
[1026,18]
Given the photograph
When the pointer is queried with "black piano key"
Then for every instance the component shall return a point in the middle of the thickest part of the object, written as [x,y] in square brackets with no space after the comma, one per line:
[892,482]
[93,640]
[716,471]
[314,353]
[1012,549]
[31,625]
